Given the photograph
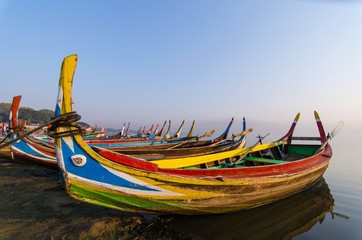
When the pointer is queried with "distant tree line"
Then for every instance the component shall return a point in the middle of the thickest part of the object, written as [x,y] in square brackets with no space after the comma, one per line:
[25,113]
[30,115]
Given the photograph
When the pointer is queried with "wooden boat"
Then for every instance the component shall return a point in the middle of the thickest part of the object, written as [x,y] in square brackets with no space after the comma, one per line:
[92,134]
[147,142]
[187,147]
[144,141]
[25,149]
[135,185]
[31,149]
[142,135]
[179,151]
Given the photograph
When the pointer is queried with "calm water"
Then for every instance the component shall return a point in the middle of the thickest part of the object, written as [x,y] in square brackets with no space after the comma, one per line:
[330,210]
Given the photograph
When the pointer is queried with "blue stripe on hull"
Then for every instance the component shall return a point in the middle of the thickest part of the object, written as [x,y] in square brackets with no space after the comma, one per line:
[93,170]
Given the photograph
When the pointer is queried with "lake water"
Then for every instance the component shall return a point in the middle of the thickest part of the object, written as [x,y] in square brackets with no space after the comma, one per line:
[344,178]
[332,209]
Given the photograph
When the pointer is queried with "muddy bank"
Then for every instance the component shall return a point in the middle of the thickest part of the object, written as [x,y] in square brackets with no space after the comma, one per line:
[34,205]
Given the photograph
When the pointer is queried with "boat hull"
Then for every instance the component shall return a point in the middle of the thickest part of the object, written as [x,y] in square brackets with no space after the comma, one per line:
[182,191]
[25,150]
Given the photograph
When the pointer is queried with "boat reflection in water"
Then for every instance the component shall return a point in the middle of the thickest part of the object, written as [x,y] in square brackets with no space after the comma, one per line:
[283,219]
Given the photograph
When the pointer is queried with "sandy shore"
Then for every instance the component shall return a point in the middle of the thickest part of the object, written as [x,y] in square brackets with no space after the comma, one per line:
[34,205]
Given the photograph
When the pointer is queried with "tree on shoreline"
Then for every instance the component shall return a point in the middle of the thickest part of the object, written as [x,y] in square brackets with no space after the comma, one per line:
[25,113]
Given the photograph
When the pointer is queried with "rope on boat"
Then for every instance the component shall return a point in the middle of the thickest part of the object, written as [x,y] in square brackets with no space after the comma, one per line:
[69,121]
[64,120]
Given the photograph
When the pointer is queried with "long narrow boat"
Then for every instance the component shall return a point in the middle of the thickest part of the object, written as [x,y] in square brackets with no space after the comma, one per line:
[185,142]
[25,149]
[187,147]
[142,141]
[31,149]
[182,151]
[148,141]
[130,184]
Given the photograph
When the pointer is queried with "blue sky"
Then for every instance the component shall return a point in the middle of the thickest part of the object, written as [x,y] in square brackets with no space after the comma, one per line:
[148,61]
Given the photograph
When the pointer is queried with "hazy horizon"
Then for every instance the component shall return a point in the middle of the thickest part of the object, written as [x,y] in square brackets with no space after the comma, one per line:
[150,61]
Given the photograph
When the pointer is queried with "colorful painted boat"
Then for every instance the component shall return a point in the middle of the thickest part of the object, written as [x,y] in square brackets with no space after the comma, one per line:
[35,150]
[148,141]
[186,148]
[25,149]
[130,184]
[152,141]
[179,152]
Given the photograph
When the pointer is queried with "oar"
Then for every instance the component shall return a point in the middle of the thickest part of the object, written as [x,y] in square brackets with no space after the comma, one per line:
[250,149]
[339,215]
[331,135]
[335,130]
[242,133]
[206,134]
